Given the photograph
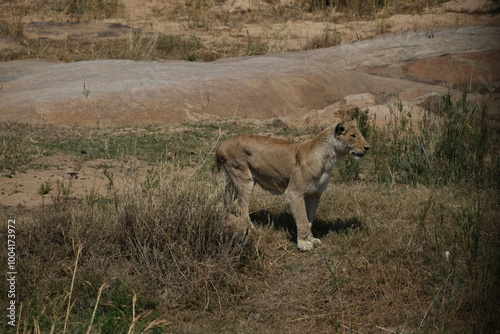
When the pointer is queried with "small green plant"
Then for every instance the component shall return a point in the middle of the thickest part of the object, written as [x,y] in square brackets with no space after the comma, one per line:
[362,118]
[86,90]
[61,194]
[382,24]
[359,8]
[185,48]
[349,170]
[337,280]
[17,149]
[329,38]
[461,256]
[464,143]
[110,175]
[256,46]
[44,189]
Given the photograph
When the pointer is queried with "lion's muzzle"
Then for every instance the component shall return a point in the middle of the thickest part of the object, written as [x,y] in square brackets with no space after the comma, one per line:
[359,154]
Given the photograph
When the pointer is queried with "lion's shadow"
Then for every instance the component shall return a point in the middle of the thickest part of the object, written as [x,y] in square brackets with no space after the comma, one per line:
[320,228]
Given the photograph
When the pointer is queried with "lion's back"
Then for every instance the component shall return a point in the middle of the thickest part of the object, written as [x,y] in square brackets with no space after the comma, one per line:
[270,160]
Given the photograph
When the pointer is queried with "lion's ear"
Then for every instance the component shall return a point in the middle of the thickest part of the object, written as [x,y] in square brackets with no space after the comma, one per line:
[340,128]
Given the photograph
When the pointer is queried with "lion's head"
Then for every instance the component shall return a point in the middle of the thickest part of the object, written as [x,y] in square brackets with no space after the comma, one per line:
[351,138]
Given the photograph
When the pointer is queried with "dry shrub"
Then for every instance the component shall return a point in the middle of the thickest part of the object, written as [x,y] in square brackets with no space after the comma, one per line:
[329,38]
[176,233]
[11,22]
[89,10]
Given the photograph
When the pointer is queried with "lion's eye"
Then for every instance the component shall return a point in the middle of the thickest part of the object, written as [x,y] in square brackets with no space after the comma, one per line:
[353,136]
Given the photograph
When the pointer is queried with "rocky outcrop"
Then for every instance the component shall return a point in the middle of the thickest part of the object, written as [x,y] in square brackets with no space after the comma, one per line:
[120,92]
[377,114]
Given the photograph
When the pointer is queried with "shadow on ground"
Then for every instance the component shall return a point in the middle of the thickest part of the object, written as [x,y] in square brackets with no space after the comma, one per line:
[285,221]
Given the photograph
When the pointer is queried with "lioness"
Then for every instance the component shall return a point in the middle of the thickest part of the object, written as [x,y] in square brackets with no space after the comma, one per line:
[299,170]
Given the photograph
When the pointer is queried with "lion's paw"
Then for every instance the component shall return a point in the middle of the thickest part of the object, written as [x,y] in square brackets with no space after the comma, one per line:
[304,245]
[308,244]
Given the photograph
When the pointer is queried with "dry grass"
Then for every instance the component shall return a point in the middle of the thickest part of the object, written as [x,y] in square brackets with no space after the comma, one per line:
[156,256]
[179,246]
[382,264]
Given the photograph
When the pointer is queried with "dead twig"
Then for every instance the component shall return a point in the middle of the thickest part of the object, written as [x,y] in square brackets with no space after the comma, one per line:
[103,286]
[80,248]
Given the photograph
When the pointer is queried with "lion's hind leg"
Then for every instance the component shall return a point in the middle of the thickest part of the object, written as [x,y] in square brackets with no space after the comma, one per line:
[245,184]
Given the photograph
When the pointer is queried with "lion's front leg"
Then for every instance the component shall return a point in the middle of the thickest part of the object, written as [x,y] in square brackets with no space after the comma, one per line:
[297,203]
[312,202]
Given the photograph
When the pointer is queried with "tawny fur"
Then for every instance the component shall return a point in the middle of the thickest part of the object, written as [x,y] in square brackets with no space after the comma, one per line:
[300,171]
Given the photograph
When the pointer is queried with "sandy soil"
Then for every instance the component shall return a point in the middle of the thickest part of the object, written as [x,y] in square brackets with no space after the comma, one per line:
[80,177]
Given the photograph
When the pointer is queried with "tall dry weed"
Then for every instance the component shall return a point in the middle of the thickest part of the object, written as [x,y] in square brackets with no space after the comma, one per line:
[177,234]
[11,22]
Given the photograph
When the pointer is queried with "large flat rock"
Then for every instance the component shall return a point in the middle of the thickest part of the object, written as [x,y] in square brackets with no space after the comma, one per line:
[120,92]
